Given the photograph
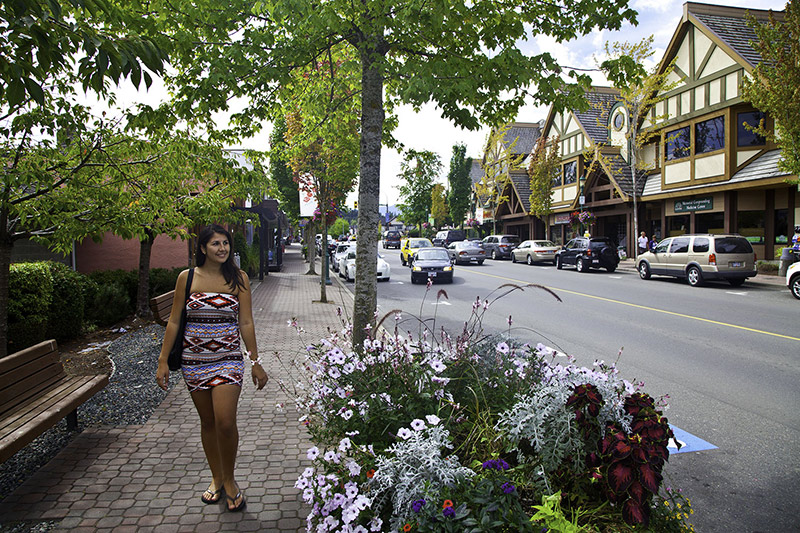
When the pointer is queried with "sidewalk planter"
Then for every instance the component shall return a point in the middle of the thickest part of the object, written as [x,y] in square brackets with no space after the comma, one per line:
[461,434]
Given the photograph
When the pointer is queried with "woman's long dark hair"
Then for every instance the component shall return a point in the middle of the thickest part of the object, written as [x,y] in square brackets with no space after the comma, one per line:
[231,273]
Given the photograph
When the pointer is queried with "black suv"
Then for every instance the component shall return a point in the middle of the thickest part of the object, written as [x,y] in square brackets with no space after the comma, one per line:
[448,236]
[391,239]
[588,252]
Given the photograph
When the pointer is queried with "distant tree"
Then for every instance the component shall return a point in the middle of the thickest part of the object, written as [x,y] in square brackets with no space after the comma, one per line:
[639,90]
[418,170]
[774,87]
[439,205]
[280,173]
[458,179]
[544,165]
[340,227]
[498,162]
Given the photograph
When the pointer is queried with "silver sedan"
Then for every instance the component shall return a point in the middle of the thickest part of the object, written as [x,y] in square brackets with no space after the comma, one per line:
[466,252]
[534,252]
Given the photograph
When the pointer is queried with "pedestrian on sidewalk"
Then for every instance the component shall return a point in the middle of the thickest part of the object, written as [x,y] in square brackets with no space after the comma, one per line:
[643,243]
[218,312]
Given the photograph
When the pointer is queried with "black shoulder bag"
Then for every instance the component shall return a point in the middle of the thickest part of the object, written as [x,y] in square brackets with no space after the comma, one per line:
[176,353]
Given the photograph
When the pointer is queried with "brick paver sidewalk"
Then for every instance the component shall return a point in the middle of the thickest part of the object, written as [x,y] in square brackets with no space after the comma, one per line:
[150,477]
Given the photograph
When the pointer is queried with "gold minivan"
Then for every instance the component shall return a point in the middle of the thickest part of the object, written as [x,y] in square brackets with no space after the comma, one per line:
[699,258]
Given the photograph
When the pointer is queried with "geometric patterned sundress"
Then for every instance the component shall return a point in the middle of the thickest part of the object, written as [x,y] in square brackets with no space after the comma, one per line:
[211,351]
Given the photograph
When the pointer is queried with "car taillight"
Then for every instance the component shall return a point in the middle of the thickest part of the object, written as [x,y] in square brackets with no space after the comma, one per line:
[712,259]
[589,251]
[462,253]
[503,246]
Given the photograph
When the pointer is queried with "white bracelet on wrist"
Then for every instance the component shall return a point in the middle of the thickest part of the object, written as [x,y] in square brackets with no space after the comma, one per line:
[253,362]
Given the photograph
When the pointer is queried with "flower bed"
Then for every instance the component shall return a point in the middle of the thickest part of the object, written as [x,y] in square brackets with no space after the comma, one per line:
[428,432]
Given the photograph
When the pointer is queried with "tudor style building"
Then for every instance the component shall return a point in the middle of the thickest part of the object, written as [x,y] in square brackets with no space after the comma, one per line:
[704,172]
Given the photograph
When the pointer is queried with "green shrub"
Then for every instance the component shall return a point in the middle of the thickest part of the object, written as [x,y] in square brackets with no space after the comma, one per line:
[65,315]
[127,280]
[111,304]
[163,280]
[30,291]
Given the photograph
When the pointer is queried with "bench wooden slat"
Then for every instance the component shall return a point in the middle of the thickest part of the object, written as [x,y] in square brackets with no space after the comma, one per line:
[27,355]
[59,394]
[22,390]
[48,414]
[161,306]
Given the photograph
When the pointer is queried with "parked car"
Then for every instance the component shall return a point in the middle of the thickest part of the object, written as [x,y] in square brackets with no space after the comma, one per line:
[391,239]
[408,247]
[699,258]
[500,246]
[433,263]
[383,268]
[340,252]
[448,236]
[349,255]
[587,253]
[793,279]
[466,252]
[535,252]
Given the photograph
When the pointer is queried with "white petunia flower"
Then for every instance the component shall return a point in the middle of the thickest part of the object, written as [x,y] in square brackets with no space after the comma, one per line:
[312,453]
[345,444]
[347,414]
[404,433]
[433,419]
[438,366]
[417,424]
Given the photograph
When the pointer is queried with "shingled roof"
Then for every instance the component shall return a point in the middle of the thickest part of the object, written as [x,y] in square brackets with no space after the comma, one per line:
[620,171]
[730,25]
[595,119]
[476,173]
[526,134]
[522,184]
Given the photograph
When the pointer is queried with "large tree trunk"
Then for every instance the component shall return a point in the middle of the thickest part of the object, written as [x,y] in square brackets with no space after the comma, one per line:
[5,266]
[372,116]
[143,292]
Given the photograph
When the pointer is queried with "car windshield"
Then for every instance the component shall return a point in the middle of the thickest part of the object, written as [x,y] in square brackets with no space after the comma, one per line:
[431,254]
[419,244]
[512,239]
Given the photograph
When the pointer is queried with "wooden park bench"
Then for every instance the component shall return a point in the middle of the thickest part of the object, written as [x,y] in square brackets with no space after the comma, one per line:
[36,393]
[161,306]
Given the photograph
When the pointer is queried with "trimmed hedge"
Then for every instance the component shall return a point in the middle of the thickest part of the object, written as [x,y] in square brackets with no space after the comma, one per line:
[49,300]
[30,292]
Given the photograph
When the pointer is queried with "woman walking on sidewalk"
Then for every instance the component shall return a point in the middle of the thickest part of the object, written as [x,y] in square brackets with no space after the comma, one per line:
[218,311]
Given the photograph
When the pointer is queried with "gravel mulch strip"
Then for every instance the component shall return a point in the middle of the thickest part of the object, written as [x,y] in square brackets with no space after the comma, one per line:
[129,399]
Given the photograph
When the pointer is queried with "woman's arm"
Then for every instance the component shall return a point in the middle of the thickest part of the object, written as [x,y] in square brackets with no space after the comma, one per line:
[178,303]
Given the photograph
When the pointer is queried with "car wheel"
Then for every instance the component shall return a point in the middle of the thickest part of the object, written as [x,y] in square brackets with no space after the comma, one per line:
[529,260]
[794,286]
[413,281]
[494,255]
[513,258]
[480,261]
[736,282]
[644,270]
[403,259]
[611,268]
[580,265]
[558,264]
[694,277]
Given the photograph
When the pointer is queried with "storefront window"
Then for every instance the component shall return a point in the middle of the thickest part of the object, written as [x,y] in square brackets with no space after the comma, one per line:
[570,172]
[677,225]
[751,226]
[745,137]
[557,180]
[677,143]
[709,135]
[709,222]
[781,226]
[557,235]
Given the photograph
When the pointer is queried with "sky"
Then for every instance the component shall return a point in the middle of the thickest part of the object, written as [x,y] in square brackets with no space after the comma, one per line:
[426,130]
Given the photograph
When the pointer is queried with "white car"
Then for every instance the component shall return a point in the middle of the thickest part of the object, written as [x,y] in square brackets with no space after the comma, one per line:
[349,255]
[793,279]
[341,251]
[384,270]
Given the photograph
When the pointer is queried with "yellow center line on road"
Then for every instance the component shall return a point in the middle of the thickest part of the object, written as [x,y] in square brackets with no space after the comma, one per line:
[646,308]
